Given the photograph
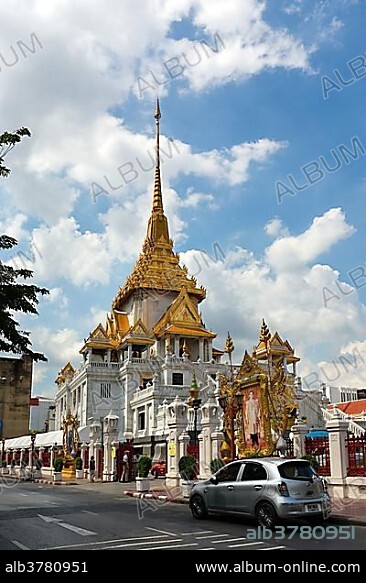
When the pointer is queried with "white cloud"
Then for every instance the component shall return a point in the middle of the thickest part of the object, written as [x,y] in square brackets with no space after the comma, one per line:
[288,253]
[275,228]
[57,296]
[242,289]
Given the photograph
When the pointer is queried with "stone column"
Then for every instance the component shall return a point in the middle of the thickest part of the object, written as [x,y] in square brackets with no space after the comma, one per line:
[337,428]
[183,444]
[200,349]
[177,422]
[210,412]
[83,449]
[299,430]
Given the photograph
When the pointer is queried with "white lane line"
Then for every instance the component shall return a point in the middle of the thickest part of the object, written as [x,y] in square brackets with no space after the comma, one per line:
[152,542]
[20,545]
[77,529]
[171,547]
[161,531]
[60,522]
[229,540]
[208,549]
[196,532]
[245,545]
[103,542]
[211,536]
[272,548]
[21,494]
[89,512]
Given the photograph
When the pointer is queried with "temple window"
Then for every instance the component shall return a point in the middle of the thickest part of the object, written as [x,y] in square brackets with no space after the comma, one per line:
[177,378]
[141,419]
[105,390]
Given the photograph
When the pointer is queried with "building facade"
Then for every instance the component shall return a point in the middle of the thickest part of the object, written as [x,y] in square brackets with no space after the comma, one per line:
[15,391]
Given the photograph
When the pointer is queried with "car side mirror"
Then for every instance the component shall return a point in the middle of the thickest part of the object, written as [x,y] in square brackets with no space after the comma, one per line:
[213,480]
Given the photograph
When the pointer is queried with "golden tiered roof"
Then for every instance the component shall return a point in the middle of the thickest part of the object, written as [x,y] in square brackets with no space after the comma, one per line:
[67,372]
[157,267]
[273,344]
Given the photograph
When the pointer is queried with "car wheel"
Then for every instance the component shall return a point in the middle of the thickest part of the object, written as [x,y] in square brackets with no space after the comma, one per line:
[266,515]
[198,508]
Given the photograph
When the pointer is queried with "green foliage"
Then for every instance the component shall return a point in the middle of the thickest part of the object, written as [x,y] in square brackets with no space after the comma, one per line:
[8,141]
[143,466]
[78,463]
[58,464]
[187,467]
[15,296]
[313,461]
[215,465]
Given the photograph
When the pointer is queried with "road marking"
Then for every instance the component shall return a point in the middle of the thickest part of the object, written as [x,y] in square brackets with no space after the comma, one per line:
[171,547]
[20,545]
[196,532]
[161,531]
[103,542]
[272,548]
[229,540]
[152,542]
[245,545]
[89,512]
[208,549]
[60,522]
[211,536]
[23,494]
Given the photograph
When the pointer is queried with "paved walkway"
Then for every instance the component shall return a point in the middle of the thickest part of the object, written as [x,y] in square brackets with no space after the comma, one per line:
[353,510]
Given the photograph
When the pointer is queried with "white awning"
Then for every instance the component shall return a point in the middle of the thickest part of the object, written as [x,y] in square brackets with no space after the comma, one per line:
[44,439]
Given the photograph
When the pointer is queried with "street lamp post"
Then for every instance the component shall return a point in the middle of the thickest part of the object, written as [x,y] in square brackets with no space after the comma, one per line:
[33,438]
[196,404]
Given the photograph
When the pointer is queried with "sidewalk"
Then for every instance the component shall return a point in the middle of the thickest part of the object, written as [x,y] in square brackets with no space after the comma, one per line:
[347,509]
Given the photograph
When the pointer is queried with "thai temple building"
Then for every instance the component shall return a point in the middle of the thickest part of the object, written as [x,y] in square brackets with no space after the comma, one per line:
[151,345]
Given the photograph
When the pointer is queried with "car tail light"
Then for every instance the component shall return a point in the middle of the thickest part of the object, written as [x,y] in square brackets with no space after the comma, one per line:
[282,488]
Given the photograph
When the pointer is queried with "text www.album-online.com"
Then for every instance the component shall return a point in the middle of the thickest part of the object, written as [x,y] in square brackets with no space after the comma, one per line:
[300,567]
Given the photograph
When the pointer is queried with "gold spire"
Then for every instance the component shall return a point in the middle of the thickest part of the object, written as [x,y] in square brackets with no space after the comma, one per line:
[264,335]
[158,198]
[158,266]
[158,224]
[229,344]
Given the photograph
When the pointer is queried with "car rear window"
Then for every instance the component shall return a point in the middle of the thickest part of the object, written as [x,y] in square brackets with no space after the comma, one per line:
[296,470]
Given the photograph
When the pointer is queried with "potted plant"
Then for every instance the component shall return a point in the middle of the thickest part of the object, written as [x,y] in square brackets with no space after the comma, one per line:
[143,468]
[79,468]
[58,464]
[187,471]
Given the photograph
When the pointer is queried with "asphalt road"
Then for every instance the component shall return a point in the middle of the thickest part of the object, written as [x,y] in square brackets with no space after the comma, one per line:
[99,516]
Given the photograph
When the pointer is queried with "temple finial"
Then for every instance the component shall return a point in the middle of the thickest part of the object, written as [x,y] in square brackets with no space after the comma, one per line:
[264,335]
[158,199]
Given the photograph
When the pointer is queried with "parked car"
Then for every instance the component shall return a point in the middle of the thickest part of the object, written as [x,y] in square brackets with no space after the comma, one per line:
[268,489]
[158,469]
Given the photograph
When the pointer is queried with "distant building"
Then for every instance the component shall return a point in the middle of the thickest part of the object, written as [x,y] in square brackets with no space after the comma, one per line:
[15,391]
[345,394]
[42,414]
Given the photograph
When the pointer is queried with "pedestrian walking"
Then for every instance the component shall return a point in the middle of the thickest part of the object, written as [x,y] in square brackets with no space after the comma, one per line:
[92,469]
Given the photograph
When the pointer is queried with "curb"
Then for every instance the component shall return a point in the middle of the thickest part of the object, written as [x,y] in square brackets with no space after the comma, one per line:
[55,483]
[151,495]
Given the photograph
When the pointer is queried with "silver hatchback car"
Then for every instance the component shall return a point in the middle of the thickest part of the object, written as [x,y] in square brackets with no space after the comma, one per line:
[268,489]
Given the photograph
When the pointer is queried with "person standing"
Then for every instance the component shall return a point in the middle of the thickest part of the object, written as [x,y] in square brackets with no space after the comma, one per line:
[92,469]
[125,467]
[253,418]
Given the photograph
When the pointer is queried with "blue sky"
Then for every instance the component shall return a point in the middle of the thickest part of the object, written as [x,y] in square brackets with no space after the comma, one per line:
[256,108]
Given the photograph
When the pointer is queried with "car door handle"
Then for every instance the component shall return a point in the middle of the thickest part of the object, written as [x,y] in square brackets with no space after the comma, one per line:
[258,487]
[230,488]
